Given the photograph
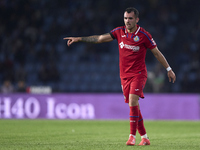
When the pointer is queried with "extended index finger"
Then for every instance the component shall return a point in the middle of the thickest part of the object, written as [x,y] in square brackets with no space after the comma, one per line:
[66,38]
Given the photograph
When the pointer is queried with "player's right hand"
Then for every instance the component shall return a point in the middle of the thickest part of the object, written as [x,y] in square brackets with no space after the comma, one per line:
[71,40]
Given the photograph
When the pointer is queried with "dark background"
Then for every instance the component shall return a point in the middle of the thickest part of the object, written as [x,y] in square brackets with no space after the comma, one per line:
[33,52]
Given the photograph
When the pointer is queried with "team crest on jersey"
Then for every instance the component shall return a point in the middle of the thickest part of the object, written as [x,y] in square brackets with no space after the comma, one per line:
[136,38]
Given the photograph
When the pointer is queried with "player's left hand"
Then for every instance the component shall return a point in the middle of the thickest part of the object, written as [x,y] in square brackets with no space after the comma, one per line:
[171,75]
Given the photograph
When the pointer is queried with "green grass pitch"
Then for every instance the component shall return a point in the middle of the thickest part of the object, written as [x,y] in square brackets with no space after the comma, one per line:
[95,135]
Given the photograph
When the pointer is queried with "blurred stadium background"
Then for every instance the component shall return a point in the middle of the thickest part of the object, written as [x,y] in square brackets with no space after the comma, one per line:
[85,77]
[33,52]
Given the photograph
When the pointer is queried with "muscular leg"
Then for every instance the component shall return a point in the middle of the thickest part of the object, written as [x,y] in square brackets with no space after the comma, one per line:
[133,100]
[142,131]
[134,113]
[141,128]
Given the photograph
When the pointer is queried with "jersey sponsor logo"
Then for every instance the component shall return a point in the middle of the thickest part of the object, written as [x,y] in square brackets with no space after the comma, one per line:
[123,35]
[134,48]
[136,38]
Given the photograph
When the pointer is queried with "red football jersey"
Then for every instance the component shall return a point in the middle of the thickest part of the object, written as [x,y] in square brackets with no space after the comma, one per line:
[132,50]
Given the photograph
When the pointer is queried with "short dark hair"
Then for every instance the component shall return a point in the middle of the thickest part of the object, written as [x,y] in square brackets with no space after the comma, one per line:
[132,9]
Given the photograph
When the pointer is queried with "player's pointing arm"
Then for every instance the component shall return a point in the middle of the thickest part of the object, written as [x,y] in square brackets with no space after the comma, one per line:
[90,39]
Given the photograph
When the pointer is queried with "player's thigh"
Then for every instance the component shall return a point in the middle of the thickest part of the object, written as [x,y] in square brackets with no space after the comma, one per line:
[125,83]
[137,85]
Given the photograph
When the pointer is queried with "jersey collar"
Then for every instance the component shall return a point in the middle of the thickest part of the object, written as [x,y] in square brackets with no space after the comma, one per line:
[138,29]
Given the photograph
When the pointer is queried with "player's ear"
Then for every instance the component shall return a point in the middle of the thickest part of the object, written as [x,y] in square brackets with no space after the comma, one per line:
[137,20]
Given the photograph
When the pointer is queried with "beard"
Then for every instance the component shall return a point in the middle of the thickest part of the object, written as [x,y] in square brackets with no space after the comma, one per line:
[130,27]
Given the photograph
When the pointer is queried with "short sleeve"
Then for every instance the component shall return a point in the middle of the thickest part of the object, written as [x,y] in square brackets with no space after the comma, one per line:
[115,33]
[149,42]
[112,35]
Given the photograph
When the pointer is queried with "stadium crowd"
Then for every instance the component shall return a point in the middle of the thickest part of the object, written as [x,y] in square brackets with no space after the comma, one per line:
[33,52]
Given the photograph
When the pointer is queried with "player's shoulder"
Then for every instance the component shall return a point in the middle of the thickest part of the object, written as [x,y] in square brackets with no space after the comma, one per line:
[118,28]
[144,32]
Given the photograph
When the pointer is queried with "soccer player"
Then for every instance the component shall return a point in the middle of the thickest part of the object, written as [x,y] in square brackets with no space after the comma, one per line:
[133,42]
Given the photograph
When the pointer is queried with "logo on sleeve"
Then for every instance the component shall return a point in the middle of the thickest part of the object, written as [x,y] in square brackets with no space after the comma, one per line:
[152,40]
